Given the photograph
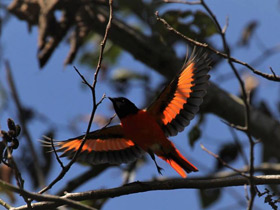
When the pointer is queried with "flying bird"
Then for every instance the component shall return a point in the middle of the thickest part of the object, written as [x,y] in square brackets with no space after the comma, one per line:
[147,130]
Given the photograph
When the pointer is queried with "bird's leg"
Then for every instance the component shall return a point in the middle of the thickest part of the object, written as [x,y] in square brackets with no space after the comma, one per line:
[159,169]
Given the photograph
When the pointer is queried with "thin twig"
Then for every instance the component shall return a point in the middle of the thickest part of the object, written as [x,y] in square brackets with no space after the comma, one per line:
[56,155]
[271,77]
[110,120]
[4,204]
[255,62]
[237,142]
[83,78]
[23,123]
[19,179]
[246,192]
[271,69]
[237,127]
[94,106]
[222,161]
[82,178]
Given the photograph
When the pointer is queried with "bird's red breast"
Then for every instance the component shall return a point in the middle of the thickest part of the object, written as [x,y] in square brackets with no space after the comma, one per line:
[144,131]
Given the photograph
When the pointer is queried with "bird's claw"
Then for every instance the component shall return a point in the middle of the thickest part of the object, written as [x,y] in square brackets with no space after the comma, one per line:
[159,169]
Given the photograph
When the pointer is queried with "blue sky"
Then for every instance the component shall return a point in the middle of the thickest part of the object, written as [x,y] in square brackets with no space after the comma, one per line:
[56,92]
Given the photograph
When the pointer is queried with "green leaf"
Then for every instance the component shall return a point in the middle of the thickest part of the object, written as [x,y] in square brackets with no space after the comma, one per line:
[205,24]
[248,32]
[196,25]
[121,75]
[209,196]
[121,79]
[194,135]
[228,152]
[89,57]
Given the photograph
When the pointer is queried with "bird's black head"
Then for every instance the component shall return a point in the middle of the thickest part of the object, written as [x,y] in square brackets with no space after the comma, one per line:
[123,107]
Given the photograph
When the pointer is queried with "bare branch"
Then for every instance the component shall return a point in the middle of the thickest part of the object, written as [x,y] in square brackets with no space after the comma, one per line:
[82,178]
[36,196]
[240,149]
[222,161]
[94,107]
[4,204]
[266,168]
[23,123]
[56,155]
[82,77]
[138,187]
[224,55]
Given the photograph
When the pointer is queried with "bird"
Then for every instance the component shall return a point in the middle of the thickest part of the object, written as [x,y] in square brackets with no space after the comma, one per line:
[147,130]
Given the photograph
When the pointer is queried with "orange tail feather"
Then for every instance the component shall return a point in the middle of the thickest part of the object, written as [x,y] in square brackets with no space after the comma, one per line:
[179,163]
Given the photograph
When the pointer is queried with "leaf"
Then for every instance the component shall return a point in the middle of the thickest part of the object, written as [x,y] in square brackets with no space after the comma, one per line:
[205,24]
[90,57]
[173,17]
[264,107]
[121,75]
[228,153]
[209,196]
[121,78]
[194,135]
[248,32]
[197,25]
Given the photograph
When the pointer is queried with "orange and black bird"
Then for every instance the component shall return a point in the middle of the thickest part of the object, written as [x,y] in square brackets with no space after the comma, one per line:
[146,130]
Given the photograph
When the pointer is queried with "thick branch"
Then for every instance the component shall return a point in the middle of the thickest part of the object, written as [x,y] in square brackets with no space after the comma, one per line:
[171,184]
[231,108]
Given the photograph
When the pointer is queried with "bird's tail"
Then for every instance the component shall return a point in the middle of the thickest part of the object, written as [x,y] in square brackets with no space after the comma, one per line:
[179,163]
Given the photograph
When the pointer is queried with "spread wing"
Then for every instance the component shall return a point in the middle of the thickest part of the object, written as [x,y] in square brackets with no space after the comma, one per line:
[106,145]
[177,104]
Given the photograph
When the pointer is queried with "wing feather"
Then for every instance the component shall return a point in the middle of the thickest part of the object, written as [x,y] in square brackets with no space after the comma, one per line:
[107,145]
[177,104]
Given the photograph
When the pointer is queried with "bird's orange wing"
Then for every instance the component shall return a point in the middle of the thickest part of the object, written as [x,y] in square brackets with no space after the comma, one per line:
[107,145]
[177,104]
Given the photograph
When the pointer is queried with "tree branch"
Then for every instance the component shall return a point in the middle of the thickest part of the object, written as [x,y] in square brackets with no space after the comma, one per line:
[21,113]
[138,187]
[94,105]
[272,77]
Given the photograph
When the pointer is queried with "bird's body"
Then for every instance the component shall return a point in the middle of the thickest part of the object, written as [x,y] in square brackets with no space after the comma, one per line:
[149,135]
[147,130]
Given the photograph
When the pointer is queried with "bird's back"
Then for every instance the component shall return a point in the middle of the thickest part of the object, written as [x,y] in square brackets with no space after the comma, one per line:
[144,131]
